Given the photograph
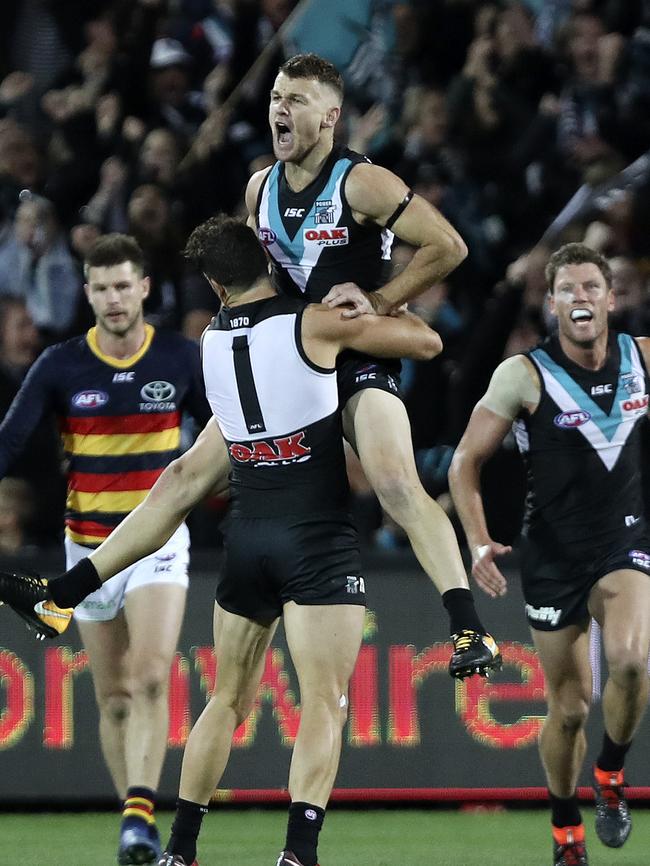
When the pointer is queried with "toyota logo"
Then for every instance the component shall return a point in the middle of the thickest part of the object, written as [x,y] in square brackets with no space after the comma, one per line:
[158,391]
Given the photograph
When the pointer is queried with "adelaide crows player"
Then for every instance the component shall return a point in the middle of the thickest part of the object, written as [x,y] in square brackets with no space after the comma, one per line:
[119,393]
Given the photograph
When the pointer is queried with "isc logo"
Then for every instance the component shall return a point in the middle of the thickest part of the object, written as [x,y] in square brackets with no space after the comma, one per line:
[124,376]
[596,390]
[294,212]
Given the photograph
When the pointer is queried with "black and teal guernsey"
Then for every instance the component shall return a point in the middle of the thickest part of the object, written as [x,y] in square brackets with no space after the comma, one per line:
[120,421]
[311,236]
[582,450]
[277,410]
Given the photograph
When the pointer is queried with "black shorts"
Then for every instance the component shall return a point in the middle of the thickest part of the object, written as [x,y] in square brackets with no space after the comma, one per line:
[556,591]
[356,372]
[309,560]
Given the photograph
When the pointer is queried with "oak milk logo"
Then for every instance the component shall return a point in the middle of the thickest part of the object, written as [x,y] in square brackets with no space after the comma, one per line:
[324,212]
[634,405]
[266,236]
[89,399]
[288,449]
[568,420]
[334,237]
[158,396]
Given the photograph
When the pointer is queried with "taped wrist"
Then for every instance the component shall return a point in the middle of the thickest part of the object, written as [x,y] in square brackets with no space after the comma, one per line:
[73,586]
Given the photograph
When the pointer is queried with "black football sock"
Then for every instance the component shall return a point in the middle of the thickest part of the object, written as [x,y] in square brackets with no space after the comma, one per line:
[612,755]
[462,613]
[73,586]
[564,811]
[186,829]
[305,822]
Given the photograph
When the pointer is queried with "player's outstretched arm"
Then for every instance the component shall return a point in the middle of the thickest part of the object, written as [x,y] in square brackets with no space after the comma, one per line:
[510,389]
[376,195]
[184,483]
[404,335]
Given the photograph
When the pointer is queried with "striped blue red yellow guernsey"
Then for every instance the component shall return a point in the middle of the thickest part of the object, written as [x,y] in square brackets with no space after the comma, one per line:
[120,421]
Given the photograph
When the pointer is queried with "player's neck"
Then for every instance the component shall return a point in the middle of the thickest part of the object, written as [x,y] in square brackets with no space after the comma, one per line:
[121,346]
[591,357]
[300,174]
[258,292]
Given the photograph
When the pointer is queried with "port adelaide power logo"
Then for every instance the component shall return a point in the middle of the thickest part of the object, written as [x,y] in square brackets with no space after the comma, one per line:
[158,396]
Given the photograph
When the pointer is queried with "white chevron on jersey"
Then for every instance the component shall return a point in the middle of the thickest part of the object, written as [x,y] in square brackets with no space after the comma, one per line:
[607,449]
[299,270]
[291,394]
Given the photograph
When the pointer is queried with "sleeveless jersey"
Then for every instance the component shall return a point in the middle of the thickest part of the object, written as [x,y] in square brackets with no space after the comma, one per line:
[311,236]
[582,449]
[120,421]
[278,411]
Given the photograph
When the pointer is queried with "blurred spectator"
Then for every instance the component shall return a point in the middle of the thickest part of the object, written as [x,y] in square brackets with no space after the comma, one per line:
[526,123]
[149,221]
[37,266]
[17,504]
[631,302]
[21,166]
[173,102]
[40,463]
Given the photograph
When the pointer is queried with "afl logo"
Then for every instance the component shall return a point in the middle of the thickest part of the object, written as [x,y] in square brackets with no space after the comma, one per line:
[89,399]
[567,420]
[158,391]
[266,236]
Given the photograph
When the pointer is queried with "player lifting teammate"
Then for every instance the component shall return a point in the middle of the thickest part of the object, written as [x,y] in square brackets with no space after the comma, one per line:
[291,547]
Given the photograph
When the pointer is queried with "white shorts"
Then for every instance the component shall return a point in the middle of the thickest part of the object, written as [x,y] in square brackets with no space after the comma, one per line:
[167,565]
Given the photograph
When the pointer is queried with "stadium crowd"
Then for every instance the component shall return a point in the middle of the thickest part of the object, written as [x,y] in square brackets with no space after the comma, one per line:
[526,123]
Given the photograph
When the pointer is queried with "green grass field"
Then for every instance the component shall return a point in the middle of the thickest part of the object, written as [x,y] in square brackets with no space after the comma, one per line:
[350,838]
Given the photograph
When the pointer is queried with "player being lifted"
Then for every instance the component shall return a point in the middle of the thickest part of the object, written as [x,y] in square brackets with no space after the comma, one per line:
[578,404]
[326,216]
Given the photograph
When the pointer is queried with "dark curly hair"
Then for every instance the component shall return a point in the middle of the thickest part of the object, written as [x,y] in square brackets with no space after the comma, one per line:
[226,250]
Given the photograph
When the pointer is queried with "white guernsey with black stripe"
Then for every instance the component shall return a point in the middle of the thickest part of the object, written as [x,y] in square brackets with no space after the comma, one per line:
[277,411]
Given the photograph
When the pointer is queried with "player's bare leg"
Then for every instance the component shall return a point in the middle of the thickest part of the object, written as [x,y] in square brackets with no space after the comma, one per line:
[620,602]
[376,424]
[240,650]
[324,642]
[564,656]
[107,647]
[131,675]
[378,427]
